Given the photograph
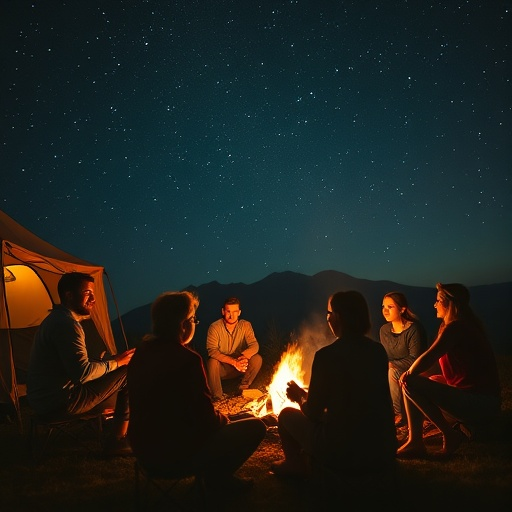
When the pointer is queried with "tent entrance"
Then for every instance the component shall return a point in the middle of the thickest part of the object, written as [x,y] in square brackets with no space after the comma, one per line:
[27,297]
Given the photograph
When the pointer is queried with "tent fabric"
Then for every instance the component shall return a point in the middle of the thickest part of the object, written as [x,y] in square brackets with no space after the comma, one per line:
[31,271]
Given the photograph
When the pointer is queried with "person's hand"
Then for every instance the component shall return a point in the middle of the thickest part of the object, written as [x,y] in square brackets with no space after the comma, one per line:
[241,364]
[124,358]
[403,378]
[295,393]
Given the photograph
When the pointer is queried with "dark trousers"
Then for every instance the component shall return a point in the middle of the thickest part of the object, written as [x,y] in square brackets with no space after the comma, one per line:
[110,390]
[228,449]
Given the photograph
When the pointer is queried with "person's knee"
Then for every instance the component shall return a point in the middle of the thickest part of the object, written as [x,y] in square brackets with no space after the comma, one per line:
[287,414]
[257,427]
[256,361]
[393,374]
[412,385]
[212,365]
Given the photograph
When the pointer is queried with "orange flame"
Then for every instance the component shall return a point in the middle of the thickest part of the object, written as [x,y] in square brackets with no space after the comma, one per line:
[289,368]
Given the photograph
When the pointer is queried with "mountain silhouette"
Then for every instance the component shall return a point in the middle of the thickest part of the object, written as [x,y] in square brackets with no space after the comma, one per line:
[286,302]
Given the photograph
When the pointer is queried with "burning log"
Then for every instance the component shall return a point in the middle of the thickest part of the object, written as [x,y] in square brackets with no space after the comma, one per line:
[275,400]
[260,406]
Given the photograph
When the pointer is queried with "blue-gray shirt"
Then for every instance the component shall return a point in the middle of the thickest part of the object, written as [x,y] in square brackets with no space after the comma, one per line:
[402,349]
[59,361]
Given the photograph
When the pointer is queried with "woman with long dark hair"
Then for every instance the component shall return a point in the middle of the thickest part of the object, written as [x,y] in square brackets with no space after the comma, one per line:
[405,339]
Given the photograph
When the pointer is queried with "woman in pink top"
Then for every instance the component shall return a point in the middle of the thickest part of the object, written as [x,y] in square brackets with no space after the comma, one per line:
[468,391]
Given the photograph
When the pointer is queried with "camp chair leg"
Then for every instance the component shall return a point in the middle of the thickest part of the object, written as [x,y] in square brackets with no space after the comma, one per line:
[43,431]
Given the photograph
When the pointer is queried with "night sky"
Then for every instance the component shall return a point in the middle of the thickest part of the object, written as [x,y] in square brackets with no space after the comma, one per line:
[182,142]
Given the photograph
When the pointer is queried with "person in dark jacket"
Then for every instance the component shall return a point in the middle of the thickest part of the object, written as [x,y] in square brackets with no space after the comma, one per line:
[345,421]
[173,422]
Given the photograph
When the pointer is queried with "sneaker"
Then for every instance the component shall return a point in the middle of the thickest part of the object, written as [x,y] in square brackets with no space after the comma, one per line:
[429,429]
[400,421]
[240,390]
[402,433]
[237,393]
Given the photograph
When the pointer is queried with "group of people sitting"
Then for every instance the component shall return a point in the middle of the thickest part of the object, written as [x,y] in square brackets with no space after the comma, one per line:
[360,389]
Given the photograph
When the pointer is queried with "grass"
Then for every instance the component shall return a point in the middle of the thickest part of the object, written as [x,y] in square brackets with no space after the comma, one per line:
[68,478]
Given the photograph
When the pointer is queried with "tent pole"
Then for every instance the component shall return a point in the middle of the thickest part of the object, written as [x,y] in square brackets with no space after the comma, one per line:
[117,309]
[13,392]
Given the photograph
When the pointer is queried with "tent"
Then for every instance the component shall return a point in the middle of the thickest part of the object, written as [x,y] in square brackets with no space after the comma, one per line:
[31,271]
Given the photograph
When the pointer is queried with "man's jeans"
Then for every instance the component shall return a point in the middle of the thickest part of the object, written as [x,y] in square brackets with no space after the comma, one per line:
[111,390]
[218,371]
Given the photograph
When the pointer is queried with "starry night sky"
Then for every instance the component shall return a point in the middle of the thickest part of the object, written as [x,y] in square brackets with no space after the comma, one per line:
[182,142]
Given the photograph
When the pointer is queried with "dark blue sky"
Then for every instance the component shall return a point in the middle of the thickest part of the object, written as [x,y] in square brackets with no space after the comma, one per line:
[183,142]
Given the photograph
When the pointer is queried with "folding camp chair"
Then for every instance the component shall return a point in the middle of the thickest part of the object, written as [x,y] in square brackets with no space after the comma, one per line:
[166,490]
[84,430]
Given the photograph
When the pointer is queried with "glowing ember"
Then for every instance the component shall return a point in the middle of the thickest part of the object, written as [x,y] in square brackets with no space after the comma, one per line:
[289,368]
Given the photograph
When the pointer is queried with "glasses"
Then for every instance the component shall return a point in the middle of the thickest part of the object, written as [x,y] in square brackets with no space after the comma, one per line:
[193,320]
[329,313]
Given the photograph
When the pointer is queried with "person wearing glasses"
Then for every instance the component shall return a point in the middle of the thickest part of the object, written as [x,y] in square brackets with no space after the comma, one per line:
[344,422]
[62,379]
[468,391]
[232,350]
[173,422]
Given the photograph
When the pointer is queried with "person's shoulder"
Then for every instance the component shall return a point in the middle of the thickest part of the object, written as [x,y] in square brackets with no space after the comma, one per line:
[58,315]
[338,345]
[348,345]
[370,342]
[367,344]
[59,310]
[328,352]
[189,353]
[216,323]
[191,359]
[385,328]
[373,349]
[155,347]
[463,327]
[457,332]
[189,349]
[455,325]
[148,345]
[417,326]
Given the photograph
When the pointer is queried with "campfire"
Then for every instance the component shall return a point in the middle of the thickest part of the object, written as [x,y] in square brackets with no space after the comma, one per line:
[275,400]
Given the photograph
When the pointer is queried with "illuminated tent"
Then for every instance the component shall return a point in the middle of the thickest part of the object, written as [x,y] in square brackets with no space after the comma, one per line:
[31,270]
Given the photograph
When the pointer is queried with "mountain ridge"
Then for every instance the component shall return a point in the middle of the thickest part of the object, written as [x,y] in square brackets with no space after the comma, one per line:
[285,301]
